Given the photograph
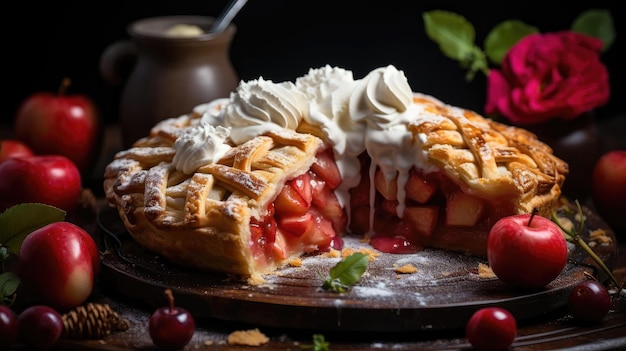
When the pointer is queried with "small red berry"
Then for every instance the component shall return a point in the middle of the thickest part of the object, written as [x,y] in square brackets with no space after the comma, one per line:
[491,328]
[171,328]
[39,327]
[589,302]
[8,327]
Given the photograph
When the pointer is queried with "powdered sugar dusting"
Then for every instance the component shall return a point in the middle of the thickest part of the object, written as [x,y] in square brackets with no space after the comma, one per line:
[382,282]
[374,291]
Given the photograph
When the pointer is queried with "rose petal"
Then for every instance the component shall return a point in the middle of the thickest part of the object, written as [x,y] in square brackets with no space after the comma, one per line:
[545,76]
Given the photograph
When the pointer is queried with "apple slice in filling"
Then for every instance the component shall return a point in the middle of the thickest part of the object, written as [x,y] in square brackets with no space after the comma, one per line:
[305,216]
[435,212]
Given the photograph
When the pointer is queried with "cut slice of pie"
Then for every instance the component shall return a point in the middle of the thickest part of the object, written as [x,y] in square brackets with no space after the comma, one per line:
[244,184]
[259,205]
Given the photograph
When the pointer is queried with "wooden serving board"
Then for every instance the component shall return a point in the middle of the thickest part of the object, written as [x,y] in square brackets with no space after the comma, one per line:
[444,292]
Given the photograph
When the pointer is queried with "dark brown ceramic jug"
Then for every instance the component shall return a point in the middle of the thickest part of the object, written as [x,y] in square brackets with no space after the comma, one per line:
[169,74]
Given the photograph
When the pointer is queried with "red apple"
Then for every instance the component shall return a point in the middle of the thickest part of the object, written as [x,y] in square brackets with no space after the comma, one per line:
[57,265]
[526,251]
[67,125]
[53,180]
[13,148]
[608,188]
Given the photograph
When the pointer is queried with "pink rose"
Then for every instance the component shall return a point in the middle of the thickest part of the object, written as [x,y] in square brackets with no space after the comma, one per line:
[545,76]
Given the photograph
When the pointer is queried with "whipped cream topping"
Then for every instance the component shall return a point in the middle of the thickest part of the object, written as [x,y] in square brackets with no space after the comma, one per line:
[213,112]
[381,97]
[353,116]
[319,83]
[370,114]
[260,106]
[200,145]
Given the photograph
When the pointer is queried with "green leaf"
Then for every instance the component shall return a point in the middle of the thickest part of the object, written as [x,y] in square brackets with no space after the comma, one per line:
[20,220]
[504,36]
[455,36]
[319,344]
[597,23]
[9,282]
[347,272]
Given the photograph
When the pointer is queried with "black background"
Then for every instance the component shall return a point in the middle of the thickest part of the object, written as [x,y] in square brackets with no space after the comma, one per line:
[279,40]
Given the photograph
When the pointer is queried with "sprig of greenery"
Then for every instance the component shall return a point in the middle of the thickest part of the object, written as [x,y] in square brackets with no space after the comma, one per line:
[346,272]
[456,36]
[319,344]
[574,236]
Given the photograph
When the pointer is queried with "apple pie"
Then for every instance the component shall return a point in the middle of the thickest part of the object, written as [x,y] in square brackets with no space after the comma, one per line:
[244,184]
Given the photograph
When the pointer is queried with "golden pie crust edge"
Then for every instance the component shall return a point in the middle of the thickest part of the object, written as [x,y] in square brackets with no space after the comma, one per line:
[533,178]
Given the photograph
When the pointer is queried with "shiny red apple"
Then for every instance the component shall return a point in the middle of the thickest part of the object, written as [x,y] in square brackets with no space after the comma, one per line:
[608,188]
[526,251]
[58,264]
[52,180]
[61,124]
[14,148]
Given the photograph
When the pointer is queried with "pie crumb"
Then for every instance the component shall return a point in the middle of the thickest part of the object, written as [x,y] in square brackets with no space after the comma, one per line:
[406,269]
[484,271]
[295,262]
[251,337]
[371,253]
[600,236]
[332,253]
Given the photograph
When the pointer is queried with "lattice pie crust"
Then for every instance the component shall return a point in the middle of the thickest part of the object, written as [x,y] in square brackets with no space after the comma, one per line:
[203,220]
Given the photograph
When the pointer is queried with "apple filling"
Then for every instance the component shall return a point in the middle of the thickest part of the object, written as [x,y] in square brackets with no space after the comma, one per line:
[434,211]
[306,215]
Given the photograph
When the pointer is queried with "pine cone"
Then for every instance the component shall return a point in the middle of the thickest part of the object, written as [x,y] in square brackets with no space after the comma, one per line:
[92,321]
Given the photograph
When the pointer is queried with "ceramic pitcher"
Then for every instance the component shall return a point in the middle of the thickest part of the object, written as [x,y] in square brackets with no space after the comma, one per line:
[170,74]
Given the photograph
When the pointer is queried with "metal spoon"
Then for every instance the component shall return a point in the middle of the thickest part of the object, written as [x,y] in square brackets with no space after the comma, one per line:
[227,15]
